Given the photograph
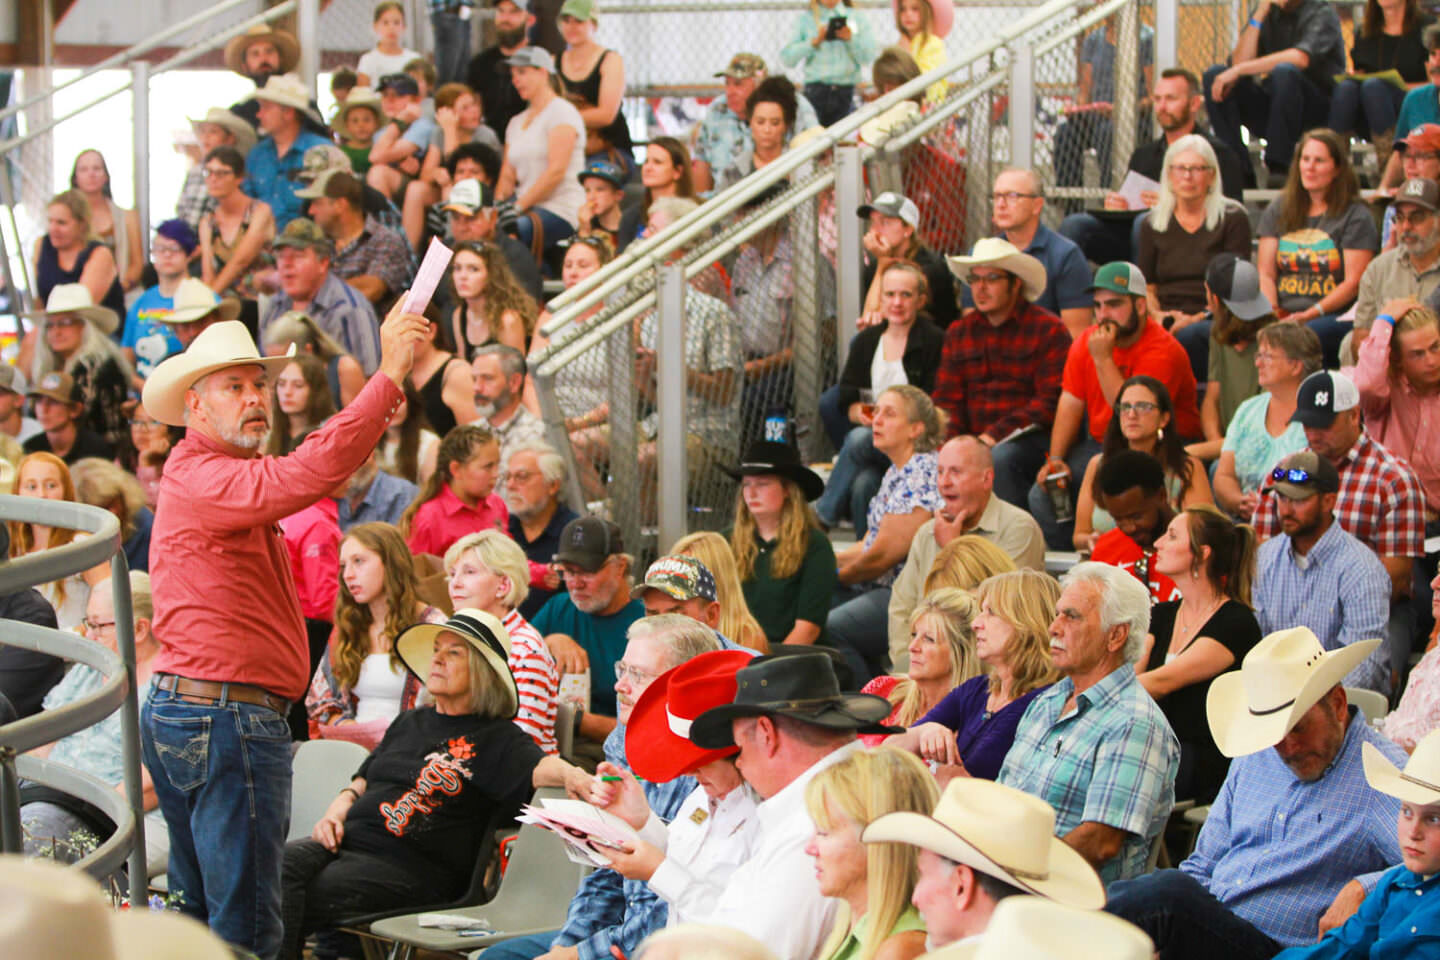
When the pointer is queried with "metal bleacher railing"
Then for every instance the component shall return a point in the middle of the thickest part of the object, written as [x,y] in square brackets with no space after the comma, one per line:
[661,469]
[101,544]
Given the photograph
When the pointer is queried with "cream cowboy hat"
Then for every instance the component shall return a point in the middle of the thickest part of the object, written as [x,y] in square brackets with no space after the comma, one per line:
[483,631]
[56,911]
[285,44]
[1004,255]
[288,91]
[234,124]
[75,298]
[1418,783]
[193,301]
[221,345]
[1001,832]
[1032,928]
[1281,677]
[359,97]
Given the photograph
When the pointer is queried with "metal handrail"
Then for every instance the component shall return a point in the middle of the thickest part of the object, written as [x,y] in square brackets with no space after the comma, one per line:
[1080,26]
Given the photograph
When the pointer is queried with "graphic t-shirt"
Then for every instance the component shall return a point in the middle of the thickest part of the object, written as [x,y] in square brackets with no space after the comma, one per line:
[1310,261]
[432,785]
[146,332]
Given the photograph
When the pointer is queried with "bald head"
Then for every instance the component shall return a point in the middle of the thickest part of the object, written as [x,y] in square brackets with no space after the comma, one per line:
[966,474]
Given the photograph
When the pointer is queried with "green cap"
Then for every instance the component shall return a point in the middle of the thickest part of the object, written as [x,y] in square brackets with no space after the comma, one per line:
[1120,277]
[579,9]
[304,234]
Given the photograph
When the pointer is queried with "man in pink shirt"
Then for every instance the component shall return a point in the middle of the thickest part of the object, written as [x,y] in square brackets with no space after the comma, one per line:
[233,649]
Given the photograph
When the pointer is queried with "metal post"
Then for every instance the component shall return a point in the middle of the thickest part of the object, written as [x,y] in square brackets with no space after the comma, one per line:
[1167,34]
[308,24]
[559,438]
[130,719]
[805,318]
[672,479]
[1127,99]
[12,838]
[140,139]
[624,441]
[1022,106]
[978,133]
[8,202]
[849,195]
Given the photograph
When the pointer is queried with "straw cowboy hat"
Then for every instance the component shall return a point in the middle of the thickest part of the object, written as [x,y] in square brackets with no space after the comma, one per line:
[232,123]
[360,97]
[194,300]
[285,43]
[1418,783]
[657,741]
[75,298]
[221,345]
[1281,677]
[1001,832]
[1032,928]
[483,631]
[287,91]
[1004,255]
[57,911]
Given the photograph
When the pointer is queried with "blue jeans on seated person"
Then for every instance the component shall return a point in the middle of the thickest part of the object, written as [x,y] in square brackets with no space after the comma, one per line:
[1277,109]
[1104,241]
[1016,463]
[521,948]
[222,776]
[859,628]
[1331,330]
[1195,338]
[1061,536]
[854,481]
[1365,107]
[1185,920]
[832,102]
[834,417]
[556,229]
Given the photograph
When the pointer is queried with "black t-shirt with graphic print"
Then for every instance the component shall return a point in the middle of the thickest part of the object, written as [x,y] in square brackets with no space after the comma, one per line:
[432,785]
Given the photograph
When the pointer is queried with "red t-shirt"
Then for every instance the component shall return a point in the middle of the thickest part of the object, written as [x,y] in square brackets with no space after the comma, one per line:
[1117,549]
[1156,354]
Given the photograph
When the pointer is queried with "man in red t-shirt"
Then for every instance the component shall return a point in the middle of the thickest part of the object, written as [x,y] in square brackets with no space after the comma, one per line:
[1123,342]
[1131,485]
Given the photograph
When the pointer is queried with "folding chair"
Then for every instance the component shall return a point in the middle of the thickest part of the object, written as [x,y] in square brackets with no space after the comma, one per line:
[565,728]
[320,770]
[1372,704]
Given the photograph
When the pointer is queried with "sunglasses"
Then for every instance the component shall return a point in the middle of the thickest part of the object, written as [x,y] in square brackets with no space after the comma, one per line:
[1291,475]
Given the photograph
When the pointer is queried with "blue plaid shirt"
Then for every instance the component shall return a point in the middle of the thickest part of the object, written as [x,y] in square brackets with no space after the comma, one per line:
[1342,593]
[1400,920]
[1111,760]
[274,179]
[341,311]
[724,135]
[1277,850]
[609,910]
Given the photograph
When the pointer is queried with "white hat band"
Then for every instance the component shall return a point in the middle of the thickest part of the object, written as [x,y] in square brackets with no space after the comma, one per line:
[678,725]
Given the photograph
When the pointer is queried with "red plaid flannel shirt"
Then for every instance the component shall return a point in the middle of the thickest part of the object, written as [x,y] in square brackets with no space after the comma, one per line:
[996,380]
[1381,502]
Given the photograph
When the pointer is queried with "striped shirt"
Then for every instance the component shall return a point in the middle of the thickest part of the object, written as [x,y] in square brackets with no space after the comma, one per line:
[537,680]
[1111,760]
[1276,850]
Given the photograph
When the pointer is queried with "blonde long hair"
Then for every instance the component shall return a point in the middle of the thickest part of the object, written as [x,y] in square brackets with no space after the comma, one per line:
[797,518]
[862,787]
[1026,600]
[736,620]
[353,620]
[950,612]
[1214,197]
[966,562]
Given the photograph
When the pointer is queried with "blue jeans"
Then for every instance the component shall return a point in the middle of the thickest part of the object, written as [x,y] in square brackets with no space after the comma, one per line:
[521,948]
[1185,921]
[1061,536]
[854,480]
[1196,340]
[222,776]
[835,417]
[1278,109]
[452,46]
[832,103]
[1104,241]
[556,228]
[1079,133]
[860,628]
[1016,463]
[1331,330]
[1364,107]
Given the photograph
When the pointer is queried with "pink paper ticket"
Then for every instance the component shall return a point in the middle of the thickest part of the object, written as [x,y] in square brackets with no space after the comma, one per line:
[437,258]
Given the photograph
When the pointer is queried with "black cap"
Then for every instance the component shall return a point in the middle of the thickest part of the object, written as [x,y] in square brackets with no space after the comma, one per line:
[1321,396]
[401,84]
[588,542]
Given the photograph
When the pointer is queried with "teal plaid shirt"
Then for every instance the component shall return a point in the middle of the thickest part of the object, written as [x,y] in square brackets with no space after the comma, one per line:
[837,62]
[1113,760]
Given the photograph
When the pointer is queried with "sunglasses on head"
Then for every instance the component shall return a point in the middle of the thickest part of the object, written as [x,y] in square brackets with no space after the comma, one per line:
[1290,475]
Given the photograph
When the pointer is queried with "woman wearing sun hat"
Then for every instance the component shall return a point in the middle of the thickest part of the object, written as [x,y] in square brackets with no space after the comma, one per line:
[407,829]
[75,339]
[687,863]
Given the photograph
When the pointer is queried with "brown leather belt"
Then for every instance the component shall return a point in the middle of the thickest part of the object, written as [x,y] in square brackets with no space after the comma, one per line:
[209,691]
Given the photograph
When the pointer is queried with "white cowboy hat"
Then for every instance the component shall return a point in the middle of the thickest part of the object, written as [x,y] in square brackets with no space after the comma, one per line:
[1033,928]
[233,123]
[194,300]
[221,345]
[285,43]
[483,631]
[878,129]
[1281,677]
[57,911]
[1418,783]
[359,97]
[1004,255]
[75,298]
[1001,832]
[288,91]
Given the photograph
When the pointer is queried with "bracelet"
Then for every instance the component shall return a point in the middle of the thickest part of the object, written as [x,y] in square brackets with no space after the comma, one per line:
[350,790]
[1386,317]
[1255,23]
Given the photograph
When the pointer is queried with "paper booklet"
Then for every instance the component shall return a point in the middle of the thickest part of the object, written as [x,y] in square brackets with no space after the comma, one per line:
[1134,185]
[587,830]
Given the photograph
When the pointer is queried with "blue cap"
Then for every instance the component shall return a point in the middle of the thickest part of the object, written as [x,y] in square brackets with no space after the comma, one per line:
[603,171]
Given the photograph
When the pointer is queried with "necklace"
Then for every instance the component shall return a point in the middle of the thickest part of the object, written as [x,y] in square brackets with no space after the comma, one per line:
[1185,628]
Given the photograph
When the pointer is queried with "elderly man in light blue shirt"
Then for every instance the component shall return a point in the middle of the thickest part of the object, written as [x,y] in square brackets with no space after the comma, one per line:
[723,135]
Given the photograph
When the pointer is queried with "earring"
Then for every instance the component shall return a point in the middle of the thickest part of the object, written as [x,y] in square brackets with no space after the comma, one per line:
[1159,433]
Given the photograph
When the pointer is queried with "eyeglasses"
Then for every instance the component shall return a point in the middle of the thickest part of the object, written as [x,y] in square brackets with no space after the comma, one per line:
[1138,406]
[1415,216]
[575,573]
[1011,196]
[143,424]
[986,279]
[64,322]
[1292,475]
[168,249]
[218,173]
[623,669]
[95,626]
[517,476]
[1421,155]
[1190,169]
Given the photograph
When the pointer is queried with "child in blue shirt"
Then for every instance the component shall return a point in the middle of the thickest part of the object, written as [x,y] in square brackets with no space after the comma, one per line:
[148,339]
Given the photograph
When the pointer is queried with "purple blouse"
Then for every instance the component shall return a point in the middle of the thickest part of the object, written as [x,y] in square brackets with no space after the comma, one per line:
[981,742]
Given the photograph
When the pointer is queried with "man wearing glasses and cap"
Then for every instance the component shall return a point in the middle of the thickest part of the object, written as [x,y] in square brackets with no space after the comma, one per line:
[470,210]
[724,135]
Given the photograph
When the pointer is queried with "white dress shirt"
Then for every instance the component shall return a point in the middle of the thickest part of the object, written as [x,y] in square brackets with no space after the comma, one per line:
[704,844]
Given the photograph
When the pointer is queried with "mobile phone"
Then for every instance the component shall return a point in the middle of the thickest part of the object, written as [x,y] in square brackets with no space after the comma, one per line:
[832,30]
[1057,485]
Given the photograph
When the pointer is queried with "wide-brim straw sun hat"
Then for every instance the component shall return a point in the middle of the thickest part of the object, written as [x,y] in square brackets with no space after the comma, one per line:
[416,646]
[285,44]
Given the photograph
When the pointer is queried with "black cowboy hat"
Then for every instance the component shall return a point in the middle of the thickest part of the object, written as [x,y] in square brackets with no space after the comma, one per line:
[803,688]
[781,459]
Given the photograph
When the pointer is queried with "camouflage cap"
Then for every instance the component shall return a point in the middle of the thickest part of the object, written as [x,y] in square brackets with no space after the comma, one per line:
[681,578]
[322,157]
[305,234]
[744,65]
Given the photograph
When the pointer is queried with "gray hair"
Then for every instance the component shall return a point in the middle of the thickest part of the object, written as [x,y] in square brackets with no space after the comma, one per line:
[142,604]
[95,348]
[552,464]
[695,941]
[685,637]
[1123,600]
[1037,186]
[673,208]
[512,361]
[1214,197]
[489,696]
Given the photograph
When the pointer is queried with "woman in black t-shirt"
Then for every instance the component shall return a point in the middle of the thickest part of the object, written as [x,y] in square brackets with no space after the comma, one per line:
[408,828]
[1389,39]
[1195,639]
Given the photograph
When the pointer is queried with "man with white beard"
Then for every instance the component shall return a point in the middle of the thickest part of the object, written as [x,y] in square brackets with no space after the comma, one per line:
[533,475]
[499,383]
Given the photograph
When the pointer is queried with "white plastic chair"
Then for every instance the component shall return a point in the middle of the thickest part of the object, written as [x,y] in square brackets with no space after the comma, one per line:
[1372,704]
[320,770]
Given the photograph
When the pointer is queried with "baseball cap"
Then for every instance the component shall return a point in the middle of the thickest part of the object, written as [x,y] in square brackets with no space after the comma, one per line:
[681,577]
[469,197]
[601,170]
[1304,474]
[57,386]
[522,5]
[579,9]
[400,84]
[892,204]
[1424,137]
[532,57]
[588,542]
[1322,395]
[317,186]
[304,234]
[322,157]
[1119,277]
[11,379]
[1237,283]
[743,65]
[1419,191]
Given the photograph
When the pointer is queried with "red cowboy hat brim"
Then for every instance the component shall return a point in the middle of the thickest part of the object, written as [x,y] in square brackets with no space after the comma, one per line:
[653,748]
